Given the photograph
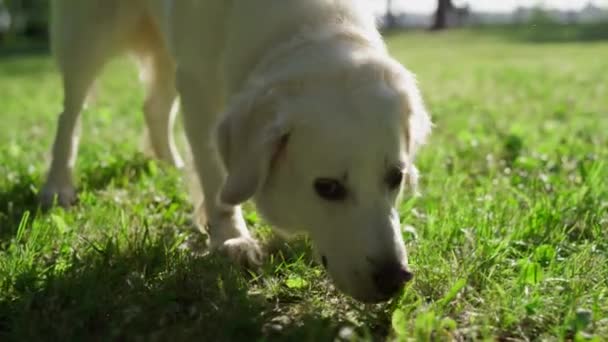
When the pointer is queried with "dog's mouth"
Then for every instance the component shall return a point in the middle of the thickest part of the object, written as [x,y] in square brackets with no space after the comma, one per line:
[361,292]
[370,286]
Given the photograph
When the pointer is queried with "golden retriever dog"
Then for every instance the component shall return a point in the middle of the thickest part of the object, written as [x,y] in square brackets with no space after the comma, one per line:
[295,104]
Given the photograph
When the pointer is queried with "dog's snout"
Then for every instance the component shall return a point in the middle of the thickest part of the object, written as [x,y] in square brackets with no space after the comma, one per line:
[390,278]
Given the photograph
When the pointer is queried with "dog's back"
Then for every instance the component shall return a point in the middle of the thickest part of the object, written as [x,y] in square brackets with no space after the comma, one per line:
[106,26]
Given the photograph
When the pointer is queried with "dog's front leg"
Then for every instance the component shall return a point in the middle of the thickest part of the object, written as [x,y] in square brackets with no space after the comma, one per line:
[201,104]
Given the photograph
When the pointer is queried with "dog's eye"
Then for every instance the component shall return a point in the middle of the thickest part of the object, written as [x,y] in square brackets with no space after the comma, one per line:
[330,189]
[394,178]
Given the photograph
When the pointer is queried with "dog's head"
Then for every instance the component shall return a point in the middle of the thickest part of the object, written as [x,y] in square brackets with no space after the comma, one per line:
[331,158]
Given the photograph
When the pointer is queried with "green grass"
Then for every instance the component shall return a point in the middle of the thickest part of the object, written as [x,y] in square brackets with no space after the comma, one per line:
[508,241]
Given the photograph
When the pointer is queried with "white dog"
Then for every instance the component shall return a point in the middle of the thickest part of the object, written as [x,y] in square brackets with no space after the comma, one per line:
[307,112]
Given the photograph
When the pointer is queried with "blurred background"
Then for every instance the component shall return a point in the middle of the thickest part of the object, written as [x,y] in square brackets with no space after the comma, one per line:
[29,18]
[442,14]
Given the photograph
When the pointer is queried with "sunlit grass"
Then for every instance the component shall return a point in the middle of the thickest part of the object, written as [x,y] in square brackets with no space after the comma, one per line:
[509,238]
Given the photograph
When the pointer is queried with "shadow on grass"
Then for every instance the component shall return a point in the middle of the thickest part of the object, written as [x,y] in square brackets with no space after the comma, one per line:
[22,195]
[15,201]
[146,293]
[120,170]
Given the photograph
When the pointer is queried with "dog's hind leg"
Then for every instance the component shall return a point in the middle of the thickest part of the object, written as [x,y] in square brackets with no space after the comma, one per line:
[157,72]
[59,185]
[80,53]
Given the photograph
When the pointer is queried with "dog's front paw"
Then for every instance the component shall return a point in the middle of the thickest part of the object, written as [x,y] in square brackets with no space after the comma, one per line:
[63,196]
[242,250]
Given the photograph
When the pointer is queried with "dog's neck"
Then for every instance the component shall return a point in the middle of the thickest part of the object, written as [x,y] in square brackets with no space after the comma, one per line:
[309,36]
[312,53]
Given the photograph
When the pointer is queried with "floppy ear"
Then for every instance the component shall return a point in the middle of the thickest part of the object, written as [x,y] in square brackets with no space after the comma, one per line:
[249,134]
[417,122]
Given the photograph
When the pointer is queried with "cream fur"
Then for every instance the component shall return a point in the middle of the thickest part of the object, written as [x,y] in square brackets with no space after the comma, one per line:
[275,94]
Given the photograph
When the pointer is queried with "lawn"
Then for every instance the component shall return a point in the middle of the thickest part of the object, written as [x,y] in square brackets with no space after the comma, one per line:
[509,239]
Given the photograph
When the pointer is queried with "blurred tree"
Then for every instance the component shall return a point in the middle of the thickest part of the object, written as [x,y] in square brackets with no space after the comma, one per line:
[441,15]
[29,17]
[389,16]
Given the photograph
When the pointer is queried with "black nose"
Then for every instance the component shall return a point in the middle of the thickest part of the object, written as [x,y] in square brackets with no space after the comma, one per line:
[390,278]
